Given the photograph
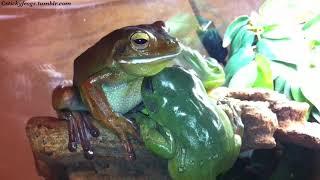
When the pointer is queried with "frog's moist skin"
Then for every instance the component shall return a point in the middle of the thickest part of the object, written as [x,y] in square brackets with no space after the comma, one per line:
[185,126]
[107,82]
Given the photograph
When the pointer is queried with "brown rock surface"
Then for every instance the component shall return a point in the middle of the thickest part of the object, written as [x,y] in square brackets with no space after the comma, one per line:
[291,118]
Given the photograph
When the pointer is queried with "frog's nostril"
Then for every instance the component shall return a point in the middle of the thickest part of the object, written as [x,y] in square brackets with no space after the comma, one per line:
[160,24]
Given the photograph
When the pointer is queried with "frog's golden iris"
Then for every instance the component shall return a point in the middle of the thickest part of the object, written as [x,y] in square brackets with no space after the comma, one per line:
[139,40]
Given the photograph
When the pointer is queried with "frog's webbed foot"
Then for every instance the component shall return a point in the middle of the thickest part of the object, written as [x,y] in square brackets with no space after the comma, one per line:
[80,128]
[233,111]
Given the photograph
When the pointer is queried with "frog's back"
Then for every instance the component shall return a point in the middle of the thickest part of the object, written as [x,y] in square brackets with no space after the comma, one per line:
[206,140]
[200,128]
[206,146]
[95,59]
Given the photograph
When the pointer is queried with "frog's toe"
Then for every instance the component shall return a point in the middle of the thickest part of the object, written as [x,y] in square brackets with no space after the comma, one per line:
[128,147]
[233,112]
[129,127]
[132,130]
[72,144]
[78,130]
[87,118]
[124,127]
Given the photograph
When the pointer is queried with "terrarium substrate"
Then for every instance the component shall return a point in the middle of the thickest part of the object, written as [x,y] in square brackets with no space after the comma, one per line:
[268,118]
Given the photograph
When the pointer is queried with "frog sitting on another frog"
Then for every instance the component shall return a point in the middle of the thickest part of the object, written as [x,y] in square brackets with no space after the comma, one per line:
[108,76]
[182,124]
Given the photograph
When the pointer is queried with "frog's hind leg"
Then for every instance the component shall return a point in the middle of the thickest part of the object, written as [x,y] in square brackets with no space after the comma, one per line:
[67,103]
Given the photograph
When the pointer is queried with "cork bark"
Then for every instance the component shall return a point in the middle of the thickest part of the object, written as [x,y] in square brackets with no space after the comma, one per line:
[268,117]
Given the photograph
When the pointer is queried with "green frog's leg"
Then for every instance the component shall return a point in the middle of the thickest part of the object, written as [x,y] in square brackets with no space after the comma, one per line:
[208,70]
[67,102]
[233,113]
[158,140]
[98,104]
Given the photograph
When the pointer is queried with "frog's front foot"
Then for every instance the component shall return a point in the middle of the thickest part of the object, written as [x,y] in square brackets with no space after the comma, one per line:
[123,127]
[80,128]
[233,111]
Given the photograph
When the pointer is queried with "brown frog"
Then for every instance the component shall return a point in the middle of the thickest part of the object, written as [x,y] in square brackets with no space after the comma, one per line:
[107,82]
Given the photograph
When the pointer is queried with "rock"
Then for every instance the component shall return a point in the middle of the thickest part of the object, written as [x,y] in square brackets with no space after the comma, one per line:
[291,125]
[260,123]
[305,134]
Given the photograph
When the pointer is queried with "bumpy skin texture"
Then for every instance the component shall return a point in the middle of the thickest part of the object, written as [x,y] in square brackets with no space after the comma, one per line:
[184,126]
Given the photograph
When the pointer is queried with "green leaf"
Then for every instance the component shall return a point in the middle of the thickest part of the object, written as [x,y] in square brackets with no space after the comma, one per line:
[296,92]
[233,28]
[263,47]
[282,70]
[264,73]
[277,33]
[310,88]
[236,41]
[315,114]
[314,43]
[238,60]
[287,90]
[244,38]
[289,65]
[268,28]
[312,22]
[245,77]
[288,51]
[279,83]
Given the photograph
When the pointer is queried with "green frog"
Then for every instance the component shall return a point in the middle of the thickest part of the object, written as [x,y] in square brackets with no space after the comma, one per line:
[108,76]
[182,124]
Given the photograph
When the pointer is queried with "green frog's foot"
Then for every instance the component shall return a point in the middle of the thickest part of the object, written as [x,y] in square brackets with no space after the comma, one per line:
[80,128]
[233,111]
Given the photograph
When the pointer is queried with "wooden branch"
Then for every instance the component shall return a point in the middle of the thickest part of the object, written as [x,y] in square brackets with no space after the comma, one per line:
[49,140]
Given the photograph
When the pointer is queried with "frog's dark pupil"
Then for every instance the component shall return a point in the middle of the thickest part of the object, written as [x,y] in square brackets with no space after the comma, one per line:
[140,41]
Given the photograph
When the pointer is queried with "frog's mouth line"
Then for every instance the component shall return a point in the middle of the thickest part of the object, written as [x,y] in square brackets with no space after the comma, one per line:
[150,60]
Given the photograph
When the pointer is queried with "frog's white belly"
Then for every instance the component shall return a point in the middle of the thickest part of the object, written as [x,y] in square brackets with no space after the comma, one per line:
[125,96]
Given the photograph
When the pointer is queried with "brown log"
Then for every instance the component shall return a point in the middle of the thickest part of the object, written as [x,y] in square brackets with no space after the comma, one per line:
[49,138]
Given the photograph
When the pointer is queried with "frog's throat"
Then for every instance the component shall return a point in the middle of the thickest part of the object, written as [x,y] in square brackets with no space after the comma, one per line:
[150,60]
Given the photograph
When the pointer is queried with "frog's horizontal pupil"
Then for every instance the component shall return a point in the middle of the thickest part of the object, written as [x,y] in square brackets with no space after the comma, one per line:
[140,41]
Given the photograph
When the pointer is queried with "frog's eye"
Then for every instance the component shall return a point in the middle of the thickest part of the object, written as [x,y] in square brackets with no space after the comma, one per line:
[139,40]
